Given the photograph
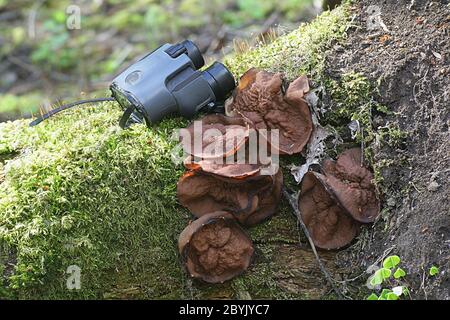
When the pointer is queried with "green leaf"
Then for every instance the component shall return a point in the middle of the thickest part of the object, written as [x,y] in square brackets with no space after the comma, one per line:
[399,273]
[405,291]
[385,273]
[434,271]
[379,276]
[391,262]
[373,296]
[385,292]
[391,296]
[376,279]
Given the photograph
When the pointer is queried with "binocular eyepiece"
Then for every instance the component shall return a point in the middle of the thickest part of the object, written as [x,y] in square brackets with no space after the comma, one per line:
[168,81]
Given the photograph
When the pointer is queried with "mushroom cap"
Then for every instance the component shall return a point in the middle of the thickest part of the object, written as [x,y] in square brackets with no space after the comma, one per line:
[328,223]
[251,199]
[219,136]
[237,166]
[236,171]
[268,202]
[352,185]
[259,99]
[214,248]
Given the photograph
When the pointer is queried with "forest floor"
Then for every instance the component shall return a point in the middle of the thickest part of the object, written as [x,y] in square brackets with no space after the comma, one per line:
[408,61]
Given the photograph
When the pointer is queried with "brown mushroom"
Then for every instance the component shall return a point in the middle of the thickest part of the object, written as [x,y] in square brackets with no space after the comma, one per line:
[352,185]
[328,223]
[214,248]
[250,198]
[238,166]
[219,136]
[259,99]
[232,170]
[268,201]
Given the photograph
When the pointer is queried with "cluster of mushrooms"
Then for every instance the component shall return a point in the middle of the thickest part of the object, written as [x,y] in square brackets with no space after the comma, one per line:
[226,196]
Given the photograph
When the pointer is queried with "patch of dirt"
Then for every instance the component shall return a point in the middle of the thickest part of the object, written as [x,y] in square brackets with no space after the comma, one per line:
[410,59]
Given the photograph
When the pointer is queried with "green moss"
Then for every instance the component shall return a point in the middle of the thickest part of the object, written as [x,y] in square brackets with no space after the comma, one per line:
[391,135]
[78,190]
[352,99]
[299,52]
[84,192]
[351,95]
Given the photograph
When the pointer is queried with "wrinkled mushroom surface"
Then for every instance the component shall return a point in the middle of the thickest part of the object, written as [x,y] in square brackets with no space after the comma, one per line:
[259,99]
[328,223]
[214,136]
[251,200]
[352,185]
[214,248]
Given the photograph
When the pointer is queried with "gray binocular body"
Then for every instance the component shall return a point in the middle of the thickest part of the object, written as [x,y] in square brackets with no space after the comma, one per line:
[167,81]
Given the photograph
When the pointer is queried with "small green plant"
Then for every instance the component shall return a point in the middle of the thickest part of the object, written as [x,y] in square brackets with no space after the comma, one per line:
[391,135]
[433,271]
[399,273]
[387,277]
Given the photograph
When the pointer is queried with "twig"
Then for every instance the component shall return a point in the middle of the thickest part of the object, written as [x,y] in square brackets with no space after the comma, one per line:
[293,202]
[422,285]
[415,84]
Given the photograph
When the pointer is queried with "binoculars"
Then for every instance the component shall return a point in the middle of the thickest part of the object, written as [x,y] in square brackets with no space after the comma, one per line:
[168,81]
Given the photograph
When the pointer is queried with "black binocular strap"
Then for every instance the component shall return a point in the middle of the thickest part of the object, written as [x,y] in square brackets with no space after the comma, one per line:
[65,107]
[126,115]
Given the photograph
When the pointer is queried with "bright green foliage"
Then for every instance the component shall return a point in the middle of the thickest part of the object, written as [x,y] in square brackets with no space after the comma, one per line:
[391,296]
[372,296]
[433,271]
[379,276]
[386,277]
[399,273]
[151,22]
[386,294]
[391,262]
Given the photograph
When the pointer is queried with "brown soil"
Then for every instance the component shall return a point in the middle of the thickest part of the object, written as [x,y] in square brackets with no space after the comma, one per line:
[411,61]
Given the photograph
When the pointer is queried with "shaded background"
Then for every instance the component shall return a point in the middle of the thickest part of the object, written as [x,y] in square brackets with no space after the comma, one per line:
[42,62]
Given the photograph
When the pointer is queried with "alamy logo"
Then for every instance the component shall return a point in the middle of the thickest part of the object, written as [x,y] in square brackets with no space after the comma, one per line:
[73,20]
[73,281]
[229,146]
[374,19]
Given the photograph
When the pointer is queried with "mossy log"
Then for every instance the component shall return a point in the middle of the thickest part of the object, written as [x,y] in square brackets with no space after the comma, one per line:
[78,190]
